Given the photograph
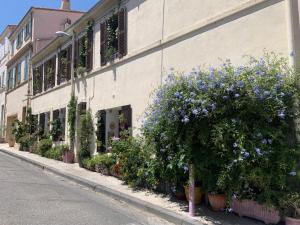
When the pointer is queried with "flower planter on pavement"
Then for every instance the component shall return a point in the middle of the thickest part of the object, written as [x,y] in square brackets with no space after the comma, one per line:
[217,201]
[68,157]
[292,221]
[255,210]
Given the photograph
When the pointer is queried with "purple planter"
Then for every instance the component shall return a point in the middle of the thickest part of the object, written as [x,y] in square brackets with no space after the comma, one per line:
[255,210]
[292,221]
[68,157]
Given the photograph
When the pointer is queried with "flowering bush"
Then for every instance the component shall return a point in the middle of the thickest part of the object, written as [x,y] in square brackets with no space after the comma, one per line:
[235,124]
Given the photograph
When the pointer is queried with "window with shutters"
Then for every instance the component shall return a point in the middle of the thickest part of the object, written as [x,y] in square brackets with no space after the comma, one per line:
[37,80]
[113,37]
[19,39]
[83,61]
[49,73]
[17,74]
[64,65]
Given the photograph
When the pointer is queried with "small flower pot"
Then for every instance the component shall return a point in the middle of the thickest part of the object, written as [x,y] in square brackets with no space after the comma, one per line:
[198,194]
[255,210]
[68,157]
[292,221]
[217,202]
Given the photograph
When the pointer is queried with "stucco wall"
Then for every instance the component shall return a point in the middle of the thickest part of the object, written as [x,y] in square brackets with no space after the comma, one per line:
[131,82]
[16,100]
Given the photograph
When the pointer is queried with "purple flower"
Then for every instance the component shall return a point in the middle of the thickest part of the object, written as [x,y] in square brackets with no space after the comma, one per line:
[177,94]
[237,95]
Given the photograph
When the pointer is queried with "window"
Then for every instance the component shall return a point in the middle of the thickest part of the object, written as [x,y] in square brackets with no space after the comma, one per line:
[9,79]
[84,50]
[26,68]
[59,124]
[20,39]
[18,74]
[27,30]
[37,80]
[64,65]
[114,37]
[49,73]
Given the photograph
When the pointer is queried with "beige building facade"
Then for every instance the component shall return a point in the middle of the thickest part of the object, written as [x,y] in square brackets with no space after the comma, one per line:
[121,69]
[5,49]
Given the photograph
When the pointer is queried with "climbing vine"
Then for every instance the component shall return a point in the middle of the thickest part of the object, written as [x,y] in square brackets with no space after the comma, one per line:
[72,119]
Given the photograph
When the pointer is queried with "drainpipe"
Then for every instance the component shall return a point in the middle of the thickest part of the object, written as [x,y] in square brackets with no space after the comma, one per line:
[293,36]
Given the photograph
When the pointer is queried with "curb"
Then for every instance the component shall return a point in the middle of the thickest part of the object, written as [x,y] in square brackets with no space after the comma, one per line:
[146,206]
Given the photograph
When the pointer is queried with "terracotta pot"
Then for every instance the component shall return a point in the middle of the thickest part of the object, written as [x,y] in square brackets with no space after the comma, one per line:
[217,201]
[11,143]
[68,157]
[255,210]
[292,221]
[198,194]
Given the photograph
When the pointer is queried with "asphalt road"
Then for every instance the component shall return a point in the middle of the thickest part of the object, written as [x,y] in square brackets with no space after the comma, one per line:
[29,196]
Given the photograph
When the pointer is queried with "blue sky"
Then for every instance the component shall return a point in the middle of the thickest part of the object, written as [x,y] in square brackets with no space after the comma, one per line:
[14,10]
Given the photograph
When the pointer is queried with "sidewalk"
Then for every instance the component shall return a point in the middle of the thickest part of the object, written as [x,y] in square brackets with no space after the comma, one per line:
[160,205]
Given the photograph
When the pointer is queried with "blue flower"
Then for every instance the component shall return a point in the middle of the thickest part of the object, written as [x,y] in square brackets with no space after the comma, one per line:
[258,151]
[177,94]
[225,97]
[205,112]
[293,173]
[264,141]
[195,112]
[270,141]
[246,154]
[235,145]
[266,93]
[185,120]
[237,95]
[241,84]
[281,114]
[185,168]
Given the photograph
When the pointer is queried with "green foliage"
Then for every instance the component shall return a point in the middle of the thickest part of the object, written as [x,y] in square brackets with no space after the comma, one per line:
[54,153]
[43,146]
[290,205]
[56,130]
[103,159]
[72,119]
[18,130]
[137,161]
[112,37]
[235,124]
[85,135]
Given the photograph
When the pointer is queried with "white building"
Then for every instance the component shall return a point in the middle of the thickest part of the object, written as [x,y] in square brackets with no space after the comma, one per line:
[130,46]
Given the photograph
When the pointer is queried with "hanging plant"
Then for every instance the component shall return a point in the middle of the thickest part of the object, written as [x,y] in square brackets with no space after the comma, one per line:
[112,37]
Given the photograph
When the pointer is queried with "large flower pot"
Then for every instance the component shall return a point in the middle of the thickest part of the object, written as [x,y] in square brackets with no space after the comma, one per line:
[292,221]
[68,157]
[217,201]
[198,194]
[255,210]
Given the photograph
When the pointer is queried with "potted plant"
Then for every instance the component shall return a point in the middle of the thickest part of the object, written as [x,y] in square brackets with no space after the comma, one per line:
[198,192]
[68,155]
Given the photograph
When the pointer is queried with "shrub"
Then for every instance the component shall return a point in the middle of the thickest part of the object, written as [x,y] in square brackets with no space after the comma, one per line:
[103,159]
[233,123]
[54,153]
[25,142]
[137,162]
[44,145]
[85,134]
